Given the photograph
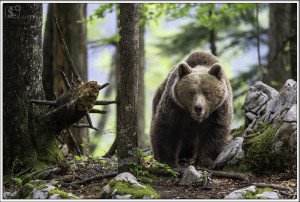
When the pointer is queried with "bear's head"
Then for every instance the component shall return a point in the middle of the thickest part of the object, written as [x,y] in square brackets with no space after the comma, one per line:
[200,90]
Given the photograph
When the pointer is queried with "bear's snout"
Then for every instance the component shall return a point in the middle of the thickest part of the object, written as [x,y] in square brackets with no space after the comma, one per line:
[198,109]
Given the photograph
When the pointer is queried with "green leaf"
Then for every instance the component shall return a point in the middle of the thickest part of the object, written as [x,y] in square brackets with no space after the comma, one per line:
[18,180]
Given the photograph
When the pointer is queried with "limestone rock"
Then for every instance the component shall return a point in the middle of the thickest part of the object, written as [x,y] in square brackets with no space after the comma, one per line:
[259,98]
[231,153]
[238,194]
[128,177]
[191,176]
[269,195]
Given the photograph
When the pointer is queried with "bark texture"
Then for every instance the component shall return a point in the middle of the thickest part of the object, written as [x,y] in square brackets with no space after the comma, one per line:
[279,33]
[293,41]
[75,37]
[141,91]
[128,86]
[22,79]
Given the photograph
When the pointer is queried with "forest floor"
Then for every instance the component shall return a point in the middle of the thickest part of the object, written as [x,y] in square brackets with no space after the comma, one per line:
[167,187]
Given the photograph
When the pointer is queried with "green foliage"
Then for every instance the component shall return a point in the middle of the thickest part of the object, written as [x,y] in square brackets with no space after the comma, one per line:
[18,180]
[166,168]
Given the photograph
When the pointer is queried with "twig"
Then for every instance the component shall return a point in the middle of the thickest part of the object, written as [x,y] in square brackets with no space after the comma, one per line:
[233,175]
[103,86]
[258,44]
[74,141]
[104,102]
[98,111]
[275,186]
[65,79]
[87,180]
[44,102]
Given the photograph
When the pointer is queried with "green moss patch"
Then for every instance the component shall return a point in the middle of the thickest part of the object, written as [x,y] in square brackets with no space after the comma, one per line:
[257,147]
[136,192]
[62,194]
[251,195]
[238,132]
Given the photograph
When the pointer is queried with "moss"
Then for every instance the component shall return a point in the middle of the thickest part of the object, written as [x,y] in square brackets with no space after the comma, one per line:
[257,148]
[62,194]
[135,191]
[25,192]
[42,186]
[251,195]
[238,132]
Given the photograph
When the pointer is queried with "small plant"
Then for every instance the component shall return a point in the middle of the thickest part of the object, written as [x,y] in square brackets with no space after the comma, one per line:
[166,167]
[18,180]
[111,165]
[138,169]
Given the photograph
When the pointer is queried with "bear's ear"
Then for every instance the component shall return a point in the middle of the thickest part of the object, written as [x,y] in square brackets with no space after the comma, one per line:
[184,69]
[216,70]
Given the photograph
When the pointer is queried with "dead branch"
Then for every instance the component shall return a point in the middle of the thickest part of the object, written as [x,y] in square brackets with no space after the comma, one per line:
[98,111]
[66,52]
[74,141]
[231,175]
[103,86]
[104,102]
[44,102]
[65,79]
[274,186]
[94,178]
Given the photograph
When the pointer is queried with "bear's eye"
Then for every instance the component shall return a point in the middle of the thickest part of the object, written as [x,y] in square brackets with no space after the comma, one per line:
[206,93]
[192,93]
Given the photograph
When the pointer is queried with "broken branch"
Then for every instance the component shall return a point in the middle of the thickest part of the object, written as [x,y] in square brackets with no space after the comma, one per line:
[105,102]
[66,52]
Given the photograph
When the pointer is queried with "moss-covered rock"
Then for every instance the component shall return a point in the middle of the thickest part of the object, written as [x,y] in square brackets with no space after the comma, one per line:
[42,191]
[125,186]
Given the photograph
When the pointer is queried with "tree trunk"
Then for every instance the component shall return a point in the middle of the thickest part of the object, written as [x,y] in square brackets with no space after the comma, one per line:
[25,135]
[75,37]
[141,90]
[293,41]
[278,58]
[48,55]
[128,86]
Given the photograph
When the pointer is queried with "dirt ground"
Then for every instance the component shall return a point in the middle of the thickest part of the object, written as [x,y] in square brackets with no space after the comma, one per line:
[168,188]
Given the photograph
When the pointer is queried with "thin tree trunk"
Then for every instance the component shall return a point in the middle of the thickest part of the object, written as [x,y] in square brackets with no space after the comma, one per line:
[279,32]
[128,86]
[293,41]
[48,55]
[141,90]
[212,38]
[26,136]
[74,33]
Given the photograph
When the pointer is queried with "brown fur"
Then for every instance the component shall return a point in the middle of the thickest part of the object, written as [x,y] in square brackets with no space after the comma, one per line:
[177,130]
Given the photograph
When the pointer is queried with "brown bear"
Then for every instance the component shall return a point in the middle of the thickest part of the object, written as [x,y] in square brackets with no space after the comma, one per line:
[192,112]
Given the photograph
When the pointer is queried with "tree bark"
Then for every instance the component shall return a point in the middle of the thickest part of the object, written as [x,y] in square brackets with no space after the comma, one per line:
[293,41]
[279,32]
[128,86]
[141,91]
[48,55]
[26,136]
[75,37]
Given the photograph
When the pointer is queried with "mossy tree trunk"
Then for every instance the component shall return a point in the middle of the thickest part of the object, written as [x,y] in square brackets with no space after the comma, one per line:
[26,136]
[75,35]
[128,86]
